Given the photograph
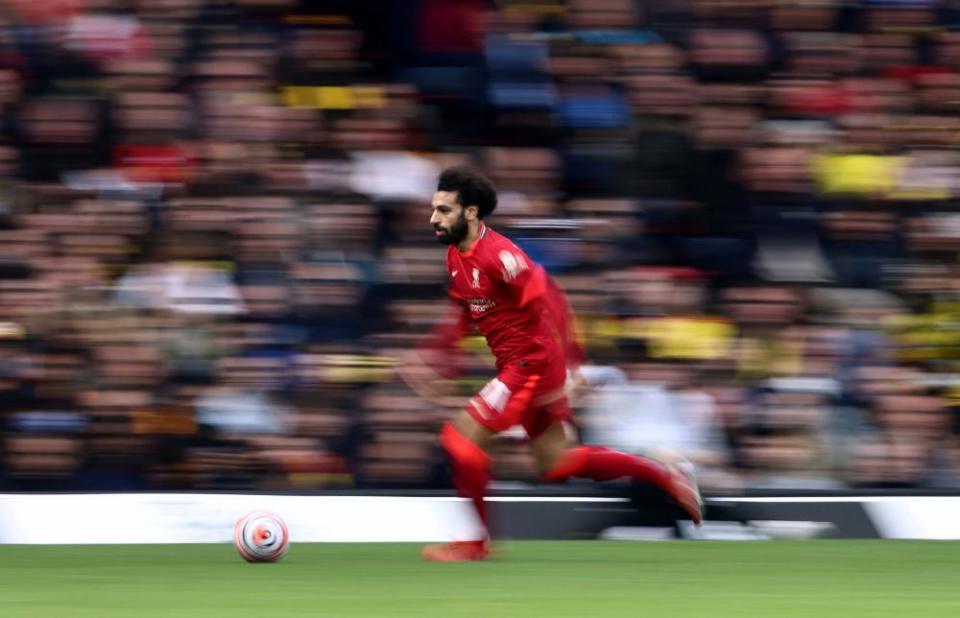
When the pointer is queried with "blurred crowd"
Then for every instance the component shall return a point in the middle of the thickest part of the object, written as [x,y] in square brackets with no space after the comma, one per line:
[214,238]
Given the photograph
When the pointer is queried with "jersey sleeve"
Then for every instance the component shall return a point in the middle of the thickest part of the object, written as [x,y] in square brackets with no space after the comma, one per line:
[524,280]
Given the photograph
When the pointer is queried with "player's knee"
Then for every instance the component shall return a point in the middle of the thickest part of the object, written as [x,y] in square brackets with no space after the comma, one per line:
[469,428]
[461,449]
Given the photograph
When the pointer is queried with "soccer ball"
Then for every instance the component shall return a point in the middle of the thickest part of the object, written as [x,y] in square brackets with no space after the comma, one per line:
[261,537]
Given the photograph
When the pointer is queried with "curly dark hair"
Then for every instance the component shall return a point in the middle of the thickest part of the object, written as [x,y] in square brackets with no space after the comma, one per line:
[472,187]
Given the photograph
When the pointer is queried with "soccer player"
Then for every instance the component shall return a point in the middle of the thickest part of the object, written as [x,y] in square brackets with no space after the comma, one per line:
[524,318]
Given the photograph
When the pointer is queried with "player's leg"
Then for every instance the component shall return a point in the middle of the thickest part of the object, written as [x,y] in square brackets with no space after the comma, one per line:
[463,440]
[497,407]
[559,458]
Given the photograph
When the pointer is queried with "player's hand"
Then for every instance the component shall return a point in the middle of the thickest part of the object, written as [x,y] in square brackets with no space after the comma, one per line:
[415,371]
[576,385]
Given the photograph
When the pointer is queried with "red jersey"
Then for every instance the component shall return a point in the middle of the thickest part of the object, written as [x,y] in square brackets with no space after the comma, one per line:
[565,322]
[496,287]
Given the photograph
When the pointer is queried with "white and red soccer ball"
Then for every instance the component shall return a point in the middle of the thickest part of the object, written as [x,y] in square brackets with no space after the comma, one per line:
[261,536]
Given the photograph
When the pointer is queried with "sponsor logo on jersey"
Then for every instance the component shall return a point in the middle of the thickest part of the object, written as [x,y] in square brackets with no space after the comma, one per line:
[480,305]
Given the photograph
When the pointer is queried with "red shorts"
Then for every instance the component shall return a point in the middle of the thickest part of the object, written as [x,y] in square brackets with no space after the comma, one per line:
[522,394]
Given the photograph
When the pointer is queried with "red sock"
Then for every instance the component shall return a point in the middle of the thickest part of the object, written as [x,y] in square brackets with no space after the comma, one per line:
[603,464]
[470,469]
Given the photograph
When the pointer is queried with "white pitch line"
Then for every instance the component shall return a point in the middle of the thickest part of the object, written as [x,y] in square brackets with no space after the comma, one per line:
[553,499]
[838,499]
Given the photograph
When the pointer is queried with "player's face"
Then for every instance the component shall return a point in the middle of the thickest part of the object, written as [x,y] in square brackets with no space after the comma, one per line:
[449,219]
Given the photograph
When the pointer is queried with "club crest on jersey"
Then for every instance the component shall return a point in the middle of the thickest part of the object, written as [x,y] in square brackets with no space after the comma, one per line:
[476,278]
[513,265]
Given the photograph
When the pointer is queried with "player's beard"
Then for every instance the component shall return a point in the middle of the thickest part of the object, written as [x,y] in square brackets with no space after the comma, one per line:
[455,233]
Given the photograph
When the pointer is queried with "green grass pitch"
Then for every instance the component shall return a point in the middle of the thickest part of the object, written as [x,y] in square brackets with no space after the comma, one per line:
[565,578]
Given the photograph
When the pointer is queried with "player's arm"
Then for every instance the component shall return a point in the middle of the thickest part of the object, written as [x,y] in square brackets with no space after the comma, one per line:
[532,285]
[440,350]
[430,368]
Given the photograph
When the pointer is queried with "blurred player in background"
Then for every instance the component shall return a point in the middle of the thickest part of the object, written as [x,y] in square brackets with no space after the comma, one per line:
[528,325]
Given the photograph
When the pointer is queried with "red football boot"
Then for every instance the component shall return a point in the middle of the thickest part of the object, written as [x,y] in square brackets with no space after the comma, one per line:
[457,551]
